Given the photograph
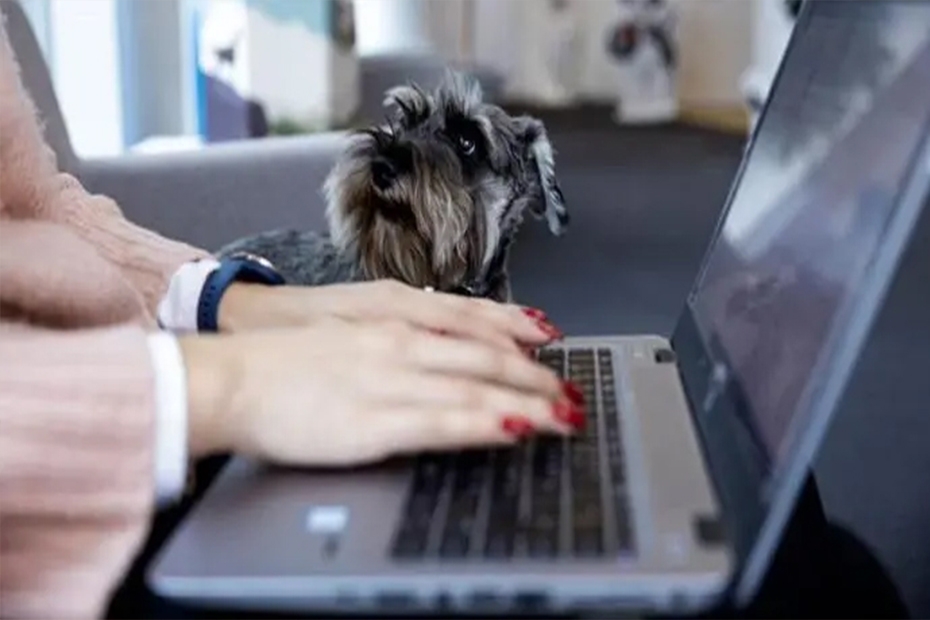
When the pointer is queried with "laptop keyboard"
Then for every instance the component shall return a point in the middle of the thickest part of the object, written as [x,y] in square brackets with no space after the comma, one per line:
[549,497]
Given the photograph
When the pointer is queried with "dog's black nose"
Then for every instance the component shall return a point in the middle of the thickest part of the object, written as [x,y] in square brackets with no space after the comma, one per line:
[383,173]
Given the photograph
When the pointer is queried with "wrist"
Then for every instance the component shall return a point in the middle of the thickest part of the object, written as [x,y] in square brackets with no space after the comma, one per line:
[238,305]
[213,371]
[232,272]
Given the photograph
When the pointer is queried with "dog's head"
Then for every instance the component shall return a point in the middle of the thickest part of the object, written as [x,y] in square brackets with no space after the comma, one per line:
[436,193]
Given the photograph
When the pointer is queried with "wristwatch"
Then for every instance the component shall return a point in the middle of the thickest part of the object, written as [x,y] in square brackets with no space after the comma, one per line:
[238,267]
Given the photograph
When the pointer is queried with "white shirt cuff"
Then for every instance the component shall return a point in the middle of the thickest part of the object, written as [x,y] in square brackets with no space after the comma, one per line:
[177,311]
[170,416]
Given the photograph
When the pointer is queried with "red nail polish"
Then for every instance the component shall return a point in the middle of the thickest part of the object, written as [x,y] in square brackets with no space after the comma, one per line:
[533,313]
[517,426]
[573,393]
[570,414]
[550,330]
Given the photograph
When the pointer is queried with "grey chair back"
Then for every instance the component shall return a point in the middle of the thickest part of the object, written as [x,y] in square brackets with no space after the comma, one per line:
[38,83]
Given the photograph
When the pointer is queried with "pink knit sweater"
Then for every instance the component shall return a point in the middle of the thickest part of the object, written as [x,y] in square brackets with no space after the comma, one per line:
[78,290]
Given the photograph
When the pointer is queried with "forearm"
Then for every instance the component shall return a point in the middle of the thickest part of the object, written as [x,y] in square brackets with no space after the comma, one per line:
[146,259]
[33,188]
[76,460]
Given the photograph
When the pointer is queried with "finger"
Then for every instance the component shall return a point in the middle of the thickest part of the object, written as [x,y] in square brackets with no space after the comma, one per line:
[481,319]
[428,429]
[523,325]
[444,319]
[476,360]
[560,414]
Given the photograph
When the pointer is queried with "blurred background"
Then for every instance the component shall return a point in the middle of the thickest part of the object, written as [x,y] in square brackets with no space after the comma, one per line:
[171,74]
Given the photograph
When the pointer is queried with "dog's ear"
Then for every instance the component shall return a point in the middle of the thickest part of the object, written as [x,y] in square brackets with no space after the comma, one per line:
[413,103]
[541,163]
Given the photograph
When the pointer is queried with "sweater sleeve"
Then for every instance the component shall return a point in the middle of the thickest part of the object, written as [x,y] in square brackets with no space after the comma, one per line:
[76,483]
[33,188]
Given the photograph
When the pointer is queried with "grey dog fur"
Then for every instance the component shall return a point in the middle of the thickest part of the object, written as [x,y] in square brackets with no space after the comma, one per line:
[448,219]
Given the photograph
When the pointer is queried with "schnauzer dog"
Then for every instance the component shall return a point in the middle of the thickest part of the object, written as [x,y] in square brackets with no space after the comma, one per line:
[433,197]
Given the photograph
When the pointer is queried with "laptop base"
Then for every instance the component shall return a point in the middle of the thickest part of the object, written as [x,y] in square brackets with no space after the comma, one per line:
[274,539]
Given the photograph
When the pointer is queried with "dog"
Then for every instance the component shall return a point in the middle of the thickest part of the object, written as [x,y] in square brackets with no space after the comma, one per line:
[433,197]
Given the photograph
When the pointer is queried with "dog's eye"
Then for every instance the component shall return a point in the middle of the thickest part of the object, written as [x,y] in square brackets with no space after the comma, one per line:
[466,144]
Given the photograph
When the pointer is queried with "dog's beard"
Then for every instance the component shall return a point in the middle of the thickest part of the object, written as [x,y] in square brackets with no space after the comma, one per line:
[425,229]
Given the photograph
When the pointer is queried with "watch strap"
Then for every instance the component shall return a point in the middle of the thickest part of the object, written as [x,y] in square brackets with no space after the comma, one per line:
[230,270]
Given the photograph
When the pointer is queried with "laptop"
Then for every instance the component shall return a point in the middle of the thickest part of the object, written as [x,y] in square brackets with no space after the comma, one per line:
[697,446]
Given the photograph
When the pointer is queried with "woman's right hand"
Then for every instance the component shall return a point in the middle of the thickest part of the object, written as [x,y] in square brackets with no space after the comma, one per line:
[340,393]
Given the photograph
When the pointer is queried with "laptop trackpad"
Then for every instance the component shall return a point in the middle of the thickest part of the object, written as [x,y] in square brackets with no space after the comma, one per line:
[266,521]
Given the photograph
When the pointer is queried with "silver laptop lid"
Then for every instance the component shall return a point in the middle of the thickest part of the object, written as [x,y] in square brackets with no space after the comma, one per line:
[829,190]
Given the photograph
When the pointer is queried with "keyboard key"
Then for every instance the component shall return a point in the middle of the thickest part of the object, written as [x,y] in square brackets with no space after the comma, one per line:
[410,542]
[588,543]
[428,478]
[526,484]
[588,514]
[455,544]
[522,533]
[506,482]
[543,527]
[624,525]
[553,359]
[499,545]
[614,440]
[543,544]
[469,479]
[547,458]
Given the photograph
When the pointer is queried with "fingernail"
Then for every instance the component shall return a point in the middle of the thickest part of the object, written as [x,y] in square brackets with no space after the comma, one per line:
[517,426]
[550,330]
[533,313]
[573,392]
[569,414]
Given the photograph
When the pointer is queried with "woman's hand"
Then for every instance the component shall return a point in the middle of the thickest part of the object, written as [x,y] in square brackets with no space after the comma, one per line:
[340,393]
[246,306]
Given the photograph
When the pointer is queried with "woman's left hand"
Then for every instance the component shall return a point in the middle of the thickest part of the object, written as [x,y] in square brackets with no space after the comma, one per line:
[248,306]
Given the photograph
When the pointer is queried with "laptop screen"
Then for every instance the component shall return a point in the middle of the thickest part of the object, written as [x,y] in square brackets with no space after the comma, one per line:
[820,182]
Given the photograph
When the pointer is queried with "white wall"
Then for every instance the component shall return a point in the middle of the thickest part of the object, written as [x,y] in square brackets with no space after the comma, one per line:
[86,73]
[546,56]
[493,34]
[298,73]
[716,39]
[154,47]
[771,30]
[716,47]
[449,23]
[435,26]
[391,26]
[298,91]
